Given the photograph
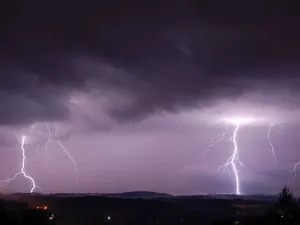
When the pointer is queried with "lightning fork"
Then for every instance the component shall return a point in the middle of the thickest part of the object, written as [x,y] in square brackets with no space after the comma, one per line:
[49,139]
[215,140]
[62,147]
[269,138]
[233,160]
[22,171]
[270,142]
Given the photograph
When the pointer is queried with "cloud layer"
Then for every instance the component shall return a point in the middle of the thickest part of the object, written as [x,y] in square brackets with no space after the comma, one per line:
[160,56]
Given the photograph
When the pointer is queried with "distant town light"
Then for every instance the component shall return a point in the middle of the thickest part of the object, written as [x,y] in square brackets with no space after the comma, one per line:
[51,217]
[42,207]
[108,218]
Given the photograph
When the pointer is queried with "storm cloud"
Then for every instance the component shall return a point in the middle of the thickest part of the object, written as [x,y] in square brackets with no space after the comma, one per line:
[165,55]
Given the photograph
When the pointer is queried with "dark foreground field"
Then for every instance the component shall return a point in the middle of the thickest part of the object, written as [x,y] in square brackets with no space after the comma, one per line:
[140,208]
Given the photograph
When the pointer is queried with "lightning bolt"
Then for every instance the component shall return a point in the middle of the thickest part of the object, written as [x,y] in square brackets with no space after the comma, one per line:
[269,137]
[49,139]
[215,140]
[22,170]
[270,142]
[234,160]
[62,147]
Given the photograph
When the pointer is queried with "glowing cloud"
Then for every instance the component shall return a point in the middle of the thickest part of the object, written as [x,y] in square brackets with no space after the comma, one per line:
[239,120]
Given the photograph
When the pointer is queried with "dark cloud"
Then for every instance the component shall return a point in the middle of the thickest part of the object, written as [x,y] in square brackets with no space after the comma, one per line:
[171,54]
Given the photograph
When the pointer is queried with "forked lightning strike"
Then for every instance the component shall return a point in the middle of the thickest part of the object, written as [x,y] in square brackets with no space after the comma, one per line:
[270,142]
[215,140]
[66,152]
[23,170]
[234,160]
[269,138]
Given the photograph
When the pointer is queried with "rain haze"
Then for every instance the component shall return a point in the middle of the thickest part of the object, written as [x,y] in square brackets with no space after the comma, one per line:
[123,96]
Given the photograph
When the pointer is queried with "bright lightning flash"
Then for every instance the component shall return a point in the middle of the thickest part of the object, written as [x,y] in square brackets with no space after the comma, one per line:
[238,120]
[234,160]
[23,170]
[230,120]
[51,139]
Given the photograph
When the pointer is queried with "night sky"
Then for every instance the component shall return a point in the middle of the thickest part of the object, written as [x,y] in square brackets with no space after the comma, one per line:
[135,91]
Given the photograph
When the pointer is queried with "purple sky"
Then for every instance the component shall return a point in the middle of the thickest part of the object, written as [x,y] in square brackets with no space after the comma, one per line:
[136,90]
[162,152]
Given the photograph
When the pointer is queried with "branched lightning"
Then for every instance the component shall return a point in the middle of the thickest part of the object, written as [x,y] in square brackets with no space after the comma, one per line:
[215,140]
[22,170]
[62,147]
[270,142]
[234,160]
[271,126]
[51,139]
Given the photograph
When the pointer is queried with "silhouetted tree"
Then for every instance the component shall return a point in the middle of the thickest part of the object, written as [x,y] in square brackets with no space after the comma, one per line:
[285,198]
[285,210]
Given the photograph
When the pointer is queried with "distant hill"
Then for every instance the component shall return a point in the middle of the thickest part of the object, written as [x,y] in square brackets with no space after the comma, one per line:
[267,198]
[140,194]
[133,194]
[149,195]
